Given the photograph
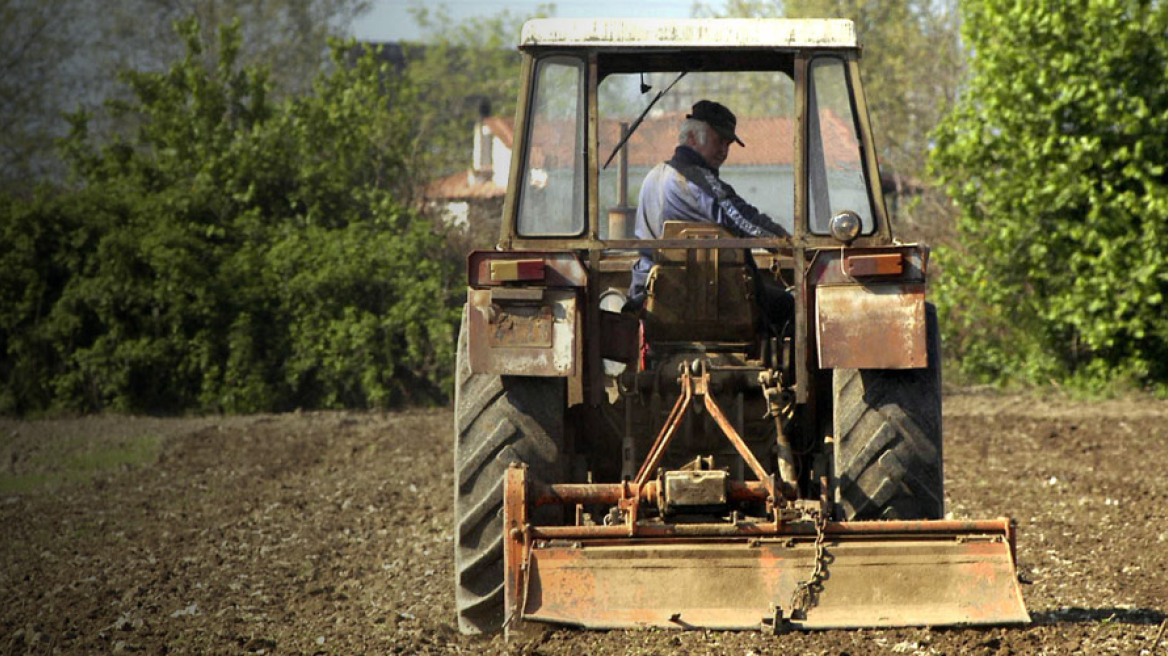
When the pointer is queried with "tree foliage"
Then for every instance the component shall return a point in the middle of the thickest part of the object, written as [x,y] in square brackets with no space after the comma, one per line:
[464,66]
[59,55]
[1056,157]
[233,253]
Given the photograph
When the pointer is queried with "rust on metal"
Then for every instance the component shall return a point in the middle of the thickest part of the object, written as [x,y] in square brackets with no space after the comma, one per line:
[995,530]
[735,439]
[829,267]
[879,264]
[672,423]
[521,327]
[691,387]
[515,523]
[731,583]
[568,494]
[732,575]
[879,326]
[525,332]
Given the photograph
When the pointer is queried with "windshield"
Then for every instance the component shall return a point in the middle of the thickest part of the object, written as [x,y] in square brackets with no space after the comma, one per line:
[762,172]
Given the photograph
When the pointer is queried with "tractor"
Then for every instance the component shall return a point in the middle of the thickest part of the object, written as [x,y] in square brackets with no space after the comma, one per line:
[690,460]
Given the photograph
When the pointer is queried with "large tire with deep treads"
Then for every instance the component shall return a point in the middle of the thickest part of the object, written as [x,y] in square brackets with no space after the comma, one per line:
[887,426]
[498,420]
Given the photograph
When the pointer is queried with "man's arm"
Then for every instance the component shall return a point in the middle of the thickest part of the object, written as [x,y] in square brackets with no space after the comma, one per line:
[732,212]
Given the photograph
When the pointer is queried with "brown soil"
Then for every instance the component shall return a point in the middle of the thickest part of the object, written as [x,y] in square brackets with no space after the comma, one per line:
[329,533]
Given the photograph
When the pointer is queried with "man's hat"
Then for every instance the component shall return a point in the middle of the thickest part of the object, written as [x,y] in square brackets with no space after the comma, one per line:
[718,117]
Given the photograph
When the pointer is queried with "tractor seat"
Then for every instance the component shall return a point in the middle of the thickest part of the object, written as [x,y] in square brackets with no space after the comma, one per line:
[699,295]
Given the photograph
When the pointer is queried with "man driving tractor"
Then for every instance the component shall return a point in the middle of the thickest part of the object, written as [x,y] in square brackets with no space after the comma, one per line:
[687,188]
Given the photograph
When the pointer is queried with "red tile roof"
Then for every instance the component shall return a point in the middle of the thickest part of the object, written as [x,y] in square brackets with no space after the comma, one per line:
[465,186]
[770,141]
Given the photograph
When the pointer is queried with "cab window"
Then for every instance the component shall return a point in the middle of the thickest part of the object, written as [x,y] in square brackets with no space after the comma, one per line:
[762,172]
[835,161]
[551,201]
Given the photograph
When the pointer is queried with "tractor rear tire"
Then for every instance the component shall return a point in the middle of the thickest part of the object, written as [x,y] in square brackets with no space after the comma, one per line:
[887,426]
[499,420]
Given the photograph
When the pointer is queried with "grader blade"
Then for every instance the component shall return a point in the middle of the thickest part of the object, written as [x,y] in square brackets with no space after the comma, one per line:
[759,575]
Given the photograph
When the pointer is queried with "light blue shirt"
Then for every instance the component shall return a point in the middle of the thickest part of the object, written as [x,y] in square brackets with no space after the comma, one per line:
[668,195]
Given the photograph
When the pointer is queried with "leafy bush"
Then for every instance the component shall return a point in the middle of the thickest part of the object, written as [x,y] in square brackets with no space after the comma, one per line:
[1056,157]
[232,254]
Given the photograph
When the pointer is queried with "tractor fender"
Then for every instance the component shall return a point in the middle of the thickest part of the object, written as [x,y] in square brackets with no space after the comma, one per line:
[523,314]
[869,309]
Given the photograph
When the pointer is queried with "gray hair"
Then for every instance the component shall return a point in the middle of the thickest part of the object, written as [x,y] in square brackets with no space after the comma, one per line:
[700,130]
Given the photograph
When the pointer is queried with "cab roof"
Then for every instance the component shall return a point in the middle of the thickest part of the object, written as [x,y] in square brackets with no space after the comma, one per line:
[690,32]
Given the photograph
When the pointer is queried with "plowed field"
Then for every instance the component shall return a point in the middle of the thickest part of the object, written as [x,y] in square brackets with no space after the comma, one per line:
[329,533]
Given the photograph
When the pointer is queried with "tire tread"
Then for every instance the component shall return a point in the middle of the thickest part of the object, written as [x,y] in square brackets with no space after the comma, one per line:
[887,429]
[499,420]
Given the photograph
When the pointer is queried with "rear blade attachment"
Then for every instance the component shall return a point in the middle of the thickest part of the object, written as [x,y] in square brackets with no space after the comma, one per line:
[749,575]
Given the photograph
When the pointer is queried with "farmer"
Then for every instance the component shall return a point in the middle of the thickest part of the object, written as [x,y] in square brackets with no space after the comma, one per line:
[687,188]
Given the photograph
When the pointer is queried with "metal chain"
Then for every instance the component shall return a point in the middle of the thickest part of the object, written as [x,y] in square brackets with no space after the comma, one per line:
[802,596]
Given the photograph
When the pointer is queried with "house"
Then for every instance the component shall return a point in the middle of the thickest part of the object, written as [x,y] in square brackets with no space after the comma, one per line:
[477,192]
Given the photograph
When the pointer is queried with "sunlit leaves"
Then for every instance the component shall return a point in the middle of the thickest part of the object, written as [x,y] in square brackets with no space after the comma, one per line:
[232,254]
[1055,156]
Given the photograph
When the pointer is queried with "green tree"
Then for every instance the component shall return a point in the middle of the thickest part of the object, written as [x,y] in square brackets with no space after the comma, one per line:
[60,55]
[1055,156]
[233,253]
[463,65]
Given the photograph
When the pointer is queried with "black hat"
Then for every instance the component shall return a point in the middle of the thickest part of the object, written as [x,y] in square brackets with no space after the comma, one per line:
[718,117]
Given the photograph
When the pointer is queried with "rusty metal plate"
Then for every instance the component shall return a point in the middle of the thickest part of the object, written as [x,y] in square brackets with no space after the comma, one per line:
[521,326]
[871,326]
[522,334]
[879,264]
[871,582]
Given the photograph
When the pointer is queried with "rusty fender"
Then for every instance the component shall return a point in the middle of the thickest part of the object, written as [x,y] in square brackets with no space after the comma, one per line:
[869,308]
